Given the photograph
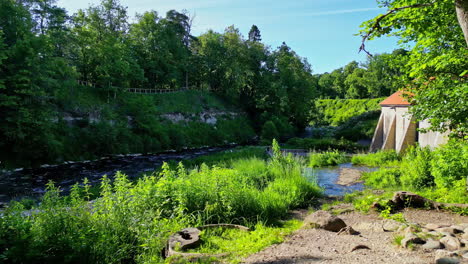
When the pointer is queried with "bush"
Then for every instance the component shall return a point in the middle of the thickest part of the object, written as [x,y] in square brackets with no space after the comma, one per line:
[383,178]
[323,144]
[416,168]
[328,158]
[381,158]
[131,222]
[450,164]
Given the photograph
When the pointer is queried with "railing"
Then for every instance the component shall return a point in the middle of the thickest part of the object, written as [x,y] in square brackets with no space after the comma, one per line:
[139,90]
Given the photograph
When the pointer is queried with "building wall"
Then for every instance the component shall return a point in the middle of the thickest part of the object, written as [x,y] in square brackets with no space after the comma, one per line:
[431,139]
[397,130]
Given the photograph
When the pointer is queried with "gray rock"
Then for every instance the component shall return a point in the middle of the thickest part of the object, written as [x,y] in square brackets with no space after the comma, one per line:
[432,244]
[464,236]
[391,225]
[465,256]
[325,220]
[411,239]
[447,261]
[451,243]
[435,226]
[458,228]
[450,230]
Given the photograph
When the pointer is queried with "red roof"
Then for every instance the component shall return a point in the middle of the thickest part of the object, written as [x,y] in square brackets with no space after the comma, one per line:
[396,99]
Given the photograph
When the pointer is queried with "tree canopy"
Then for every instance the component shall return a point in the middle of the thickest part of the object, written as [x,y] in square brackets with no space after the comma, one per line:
[436,71]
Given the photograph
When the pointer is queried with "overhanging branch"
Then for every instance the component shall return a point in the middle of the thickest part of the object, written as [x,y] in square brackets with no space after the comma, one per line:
[376,25]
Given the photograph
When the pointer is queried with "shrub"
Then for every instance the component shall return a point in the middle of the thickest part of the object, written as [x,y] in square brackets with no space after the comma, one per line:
[269,131]
[383,178]
[416,168]
[323,144]
[130,222]
[450,164]
[328,158]
[381,158]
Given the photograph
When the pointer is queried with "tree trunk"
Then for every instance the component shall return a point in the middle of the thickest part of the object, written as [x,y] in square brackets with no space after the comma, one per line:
[461,7]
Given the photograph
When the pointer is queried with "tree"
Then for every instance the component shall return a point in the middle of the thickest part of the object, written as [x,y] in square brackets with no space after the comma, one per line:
[436,70]
[254,34]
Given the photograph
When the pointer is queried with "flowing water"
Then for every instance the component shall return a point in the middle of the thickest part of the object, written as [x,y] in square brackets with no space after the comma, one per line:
[327,178]
[30,183]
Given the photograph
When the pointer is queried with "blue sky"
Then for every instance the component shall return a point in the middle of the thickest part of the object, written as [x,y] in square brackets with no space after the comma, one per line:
[320,30]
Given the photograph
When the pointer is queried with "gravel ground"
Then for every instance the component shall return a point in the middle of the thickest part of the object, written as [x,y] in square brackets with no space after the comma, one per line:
[320,246]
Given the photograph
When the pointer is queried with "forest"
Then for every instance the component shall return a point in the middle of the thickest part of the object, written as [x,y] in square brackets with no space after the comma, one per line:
[50,57]
[288,138]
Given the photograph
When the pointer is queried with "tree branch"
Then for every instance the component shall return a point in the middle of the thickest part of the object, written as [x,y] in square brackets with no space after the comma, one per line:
[376,25]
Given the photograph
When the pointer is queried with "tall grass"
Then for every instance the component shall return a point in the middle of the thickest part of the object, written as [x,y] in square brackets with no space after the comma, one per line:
[131,221]
[440,175]
[381,158]
[328,158]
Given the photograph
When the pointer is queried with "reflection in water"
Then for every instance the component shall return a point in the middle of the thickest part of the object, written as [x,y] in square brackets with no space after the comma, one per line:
[327,178]
[31,182]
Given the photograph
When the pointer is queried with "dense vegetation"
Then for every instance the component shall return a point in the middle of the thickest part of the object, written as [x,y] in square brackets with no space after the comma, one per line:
[130,221]
[440,175]
[379,76]
[45,51]
[351,119]
[435,70]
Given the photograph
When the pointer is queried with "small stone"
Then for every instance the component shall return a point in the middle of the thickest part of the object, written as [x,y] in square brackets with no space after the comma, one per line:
[458,228]
[411,238]
[464,236]
[435,226]
[465,256]
[324,220]
[451,243]
[432,244]
[450,230]
[411,229]
[446,234]
[391,225]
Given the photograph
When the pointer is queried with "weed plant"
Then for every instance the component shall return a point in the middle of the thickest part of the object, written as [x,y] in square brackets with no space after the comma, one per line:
[439,175]
[131,221]
[328,158]
[323,144]
[385,158]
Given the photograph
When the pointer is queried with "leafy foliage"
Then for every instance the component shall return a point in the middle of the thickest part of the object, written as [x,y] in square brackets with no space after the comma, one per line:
[436,69]
[130,222]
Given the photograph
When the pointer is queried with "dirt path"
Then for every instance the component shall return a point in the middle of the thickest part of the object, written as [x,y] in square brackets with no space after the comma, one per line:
[320,246]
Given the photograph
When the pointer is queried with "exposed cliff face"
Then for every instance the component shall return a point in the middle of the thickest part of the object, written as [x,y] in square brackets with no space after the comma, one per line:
[209,117]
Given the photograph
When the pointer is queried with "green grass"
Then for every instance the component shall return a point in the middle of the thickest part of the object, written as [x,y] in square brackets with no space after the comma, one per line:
[226,158]
[328,158]
[381,158]
[130,221]
[238,244]
[419,171]
[323,144]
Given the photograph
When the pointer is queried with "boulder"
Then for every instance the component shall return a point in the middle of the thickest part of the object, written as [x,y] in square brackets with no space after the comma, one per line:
[432,244]
[404,199]
[185,239]
[450,230]
[325,220]
[451,243]
[447,261]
